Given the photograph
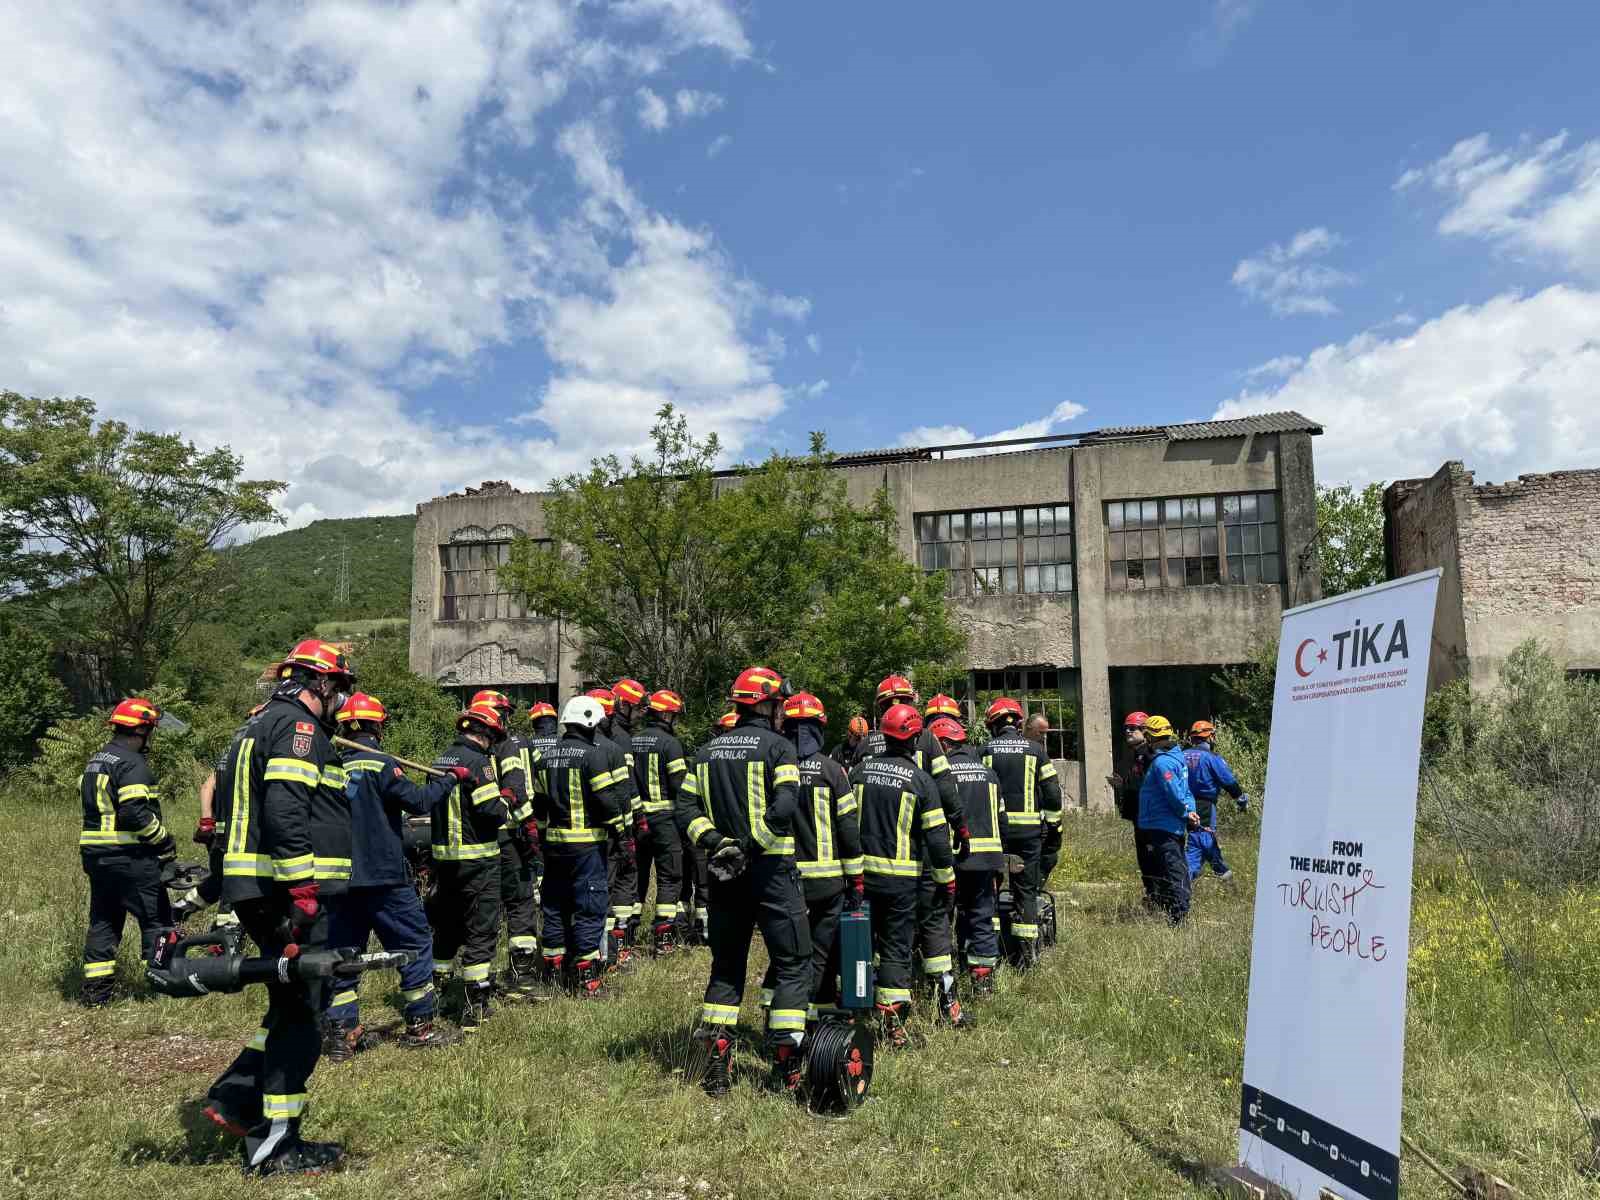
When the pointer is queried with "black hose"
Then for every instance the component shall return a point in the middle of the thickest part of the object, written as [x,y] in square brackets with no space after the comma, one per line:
[838,1065]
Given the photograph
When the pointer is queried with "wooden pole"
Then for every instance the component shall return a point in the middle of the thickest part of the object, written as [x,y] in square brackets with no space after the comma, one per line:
[1455,1184]
[404,762]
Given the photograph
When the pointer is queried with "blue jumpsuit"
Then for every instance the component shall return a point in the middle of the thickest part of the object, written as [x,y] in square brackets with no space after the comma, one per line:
[1209,774]
[1165,803]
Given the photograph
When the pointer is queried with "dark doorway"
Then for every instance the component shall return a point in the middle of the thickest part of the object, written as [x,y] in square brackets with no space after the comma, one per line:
[1181,694]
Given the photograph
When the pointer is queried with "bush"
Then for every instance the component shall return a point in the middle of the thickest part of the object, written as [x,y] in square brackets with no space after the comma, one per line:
[30,696]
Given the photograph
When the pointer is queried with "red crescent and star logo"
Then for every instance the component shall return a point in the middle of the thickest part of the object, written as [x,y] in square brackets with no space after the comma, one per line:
[1300,667]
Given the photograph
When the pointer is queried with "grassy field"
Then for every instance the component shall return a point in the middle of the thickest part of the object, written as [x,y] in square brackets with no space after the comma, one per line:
[1111,1071]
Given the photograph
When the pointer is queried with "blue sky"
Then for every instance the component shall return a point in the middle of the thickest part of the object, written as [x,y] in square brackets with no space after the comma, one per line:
[384,250]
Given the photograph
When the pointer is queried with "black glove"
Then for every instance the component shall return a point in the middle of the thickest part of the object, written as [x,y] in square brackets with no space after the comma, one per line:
[167,849]
[1051,842]
[727,861]
[1241,802]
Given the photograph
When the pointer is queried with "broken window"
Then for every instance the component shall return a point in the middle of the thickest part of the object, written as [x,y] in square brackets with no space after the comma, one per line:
[1189,541]
[471,591]
[1049,690]
[999,551]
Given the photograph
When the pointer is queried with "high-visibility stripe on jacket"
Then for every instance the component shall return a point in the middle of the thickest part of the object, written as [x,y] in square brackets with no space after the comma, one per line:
[620,734]
[121,810]
[902,822]
[515,769]
[1028,783]
[658,766]
[744,786]
[928,755]
[467,822]
[827,837]
[580,791]
[982,809]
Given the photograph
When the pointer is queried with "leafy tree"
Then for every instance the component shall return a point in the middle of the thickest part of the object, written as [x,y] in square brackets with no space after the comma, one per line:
[110,534]
[1246,689]
[30,696]
[1350,537]
[420,713]
[682,578]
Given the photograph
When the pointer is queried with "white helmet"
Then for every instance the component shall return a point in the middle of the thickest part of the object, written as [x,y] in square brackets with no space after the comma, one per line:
[583,711]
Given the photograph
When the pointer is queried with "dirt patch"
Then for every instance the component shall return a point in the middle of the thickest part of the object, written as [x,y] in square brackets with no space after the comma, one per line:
[137,1058]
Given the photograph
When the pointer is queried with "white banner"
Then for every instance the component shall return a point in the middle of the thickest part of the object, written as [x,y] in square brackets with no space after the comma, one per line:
[1325,1034]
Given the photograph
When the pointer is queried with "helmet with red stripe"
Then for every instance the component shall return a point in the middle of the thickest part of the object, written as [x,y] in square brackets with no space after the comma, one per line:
[1003,710]
[666,701]
[606,698]
[482,713]
[361,709]
[942,706]
[629,691]
[542,710]
[318,657]
[895,687]
[803,706]
[756,684]
[901,722]
[948,729]
[727,720]
[134,713]
[500,700]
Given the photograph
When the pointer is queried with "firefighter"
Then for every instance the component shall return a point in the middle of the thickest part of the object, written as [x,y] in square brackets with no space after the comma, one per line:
[1166,813]
[1037,730]
[1209,776]
[827,847]
[631,698]
[739,804]
[381,899]
[848,752]
[904,838]
[658,765]
[1032,796]
[976,873]
[466,858]
[622,854]
[212,835]
[124,847]
[518,857]
[1126,784]
[581,796]
[282,801]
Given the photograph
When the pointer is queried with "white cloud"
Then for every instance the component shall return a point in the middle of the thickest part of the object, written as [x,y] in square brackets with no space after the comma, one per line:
[814,390]
[944,435]
[814,342]
[1288,280]
[653,110]
[718,144]
[1280,367]
[1225,21]
[1540,200]
[691,103]
[267,225]
[1507,386]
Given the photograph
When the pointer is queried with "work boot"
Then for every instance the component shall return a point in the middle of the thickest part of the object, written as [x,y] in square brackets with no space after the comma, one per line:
[340,1042]
[701,921]
[96,993]
[423,1032]
[718,1041]
[621,954]
[300,1158]
[787,1066]
[475,1009]
[590,980]
[982,981]
[950,1009]
[666,938]
[893,1017]
[522,977]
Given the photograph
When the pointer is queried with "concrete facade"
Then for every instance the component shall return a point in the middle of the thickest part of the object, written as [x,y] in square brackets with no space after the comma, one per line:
[1519,560]
[1083,633]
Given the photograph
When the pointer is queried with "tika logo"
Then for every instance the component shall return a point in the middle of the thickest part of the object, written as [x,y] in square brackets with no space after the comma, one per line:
[1356,647]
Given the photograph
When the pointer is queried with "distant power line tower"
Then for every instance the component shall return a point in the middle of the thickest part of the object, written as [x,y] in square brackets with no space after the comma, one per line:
[341,589]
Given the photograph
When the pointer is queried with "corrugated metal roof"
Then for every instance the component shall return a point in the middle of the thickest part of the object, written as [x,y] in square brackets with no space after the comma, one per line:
[1277,422]
[855,458]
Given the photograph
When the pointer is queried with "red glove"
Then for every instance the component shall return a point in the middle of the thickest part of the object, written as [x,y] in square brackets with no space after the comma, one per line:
[644,825]
[530,830]
[950,892]
[305,906]
[855,889]
[963,841]
[205,831]
[461,773]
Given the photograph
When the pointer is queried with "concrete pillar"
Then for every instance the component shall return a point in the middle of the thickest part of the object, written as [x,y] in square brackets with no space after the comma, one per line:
[1297,497]
[1089,591]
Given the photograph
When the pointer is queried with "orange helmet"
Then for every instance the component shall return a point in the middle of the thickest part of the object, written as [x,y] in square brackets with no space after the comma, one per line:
[606,697]
[666,701]
[1002,708]
[727,720]
[482,713]
[541,710]
[322,658]
[756,684]
[895,687]
[629,690]
[361,707]
[1135,720]
[1203,729]
[500,700]
[901,723]
[942,706]
[858,726]
[134,713]
[948,729]
[803,706]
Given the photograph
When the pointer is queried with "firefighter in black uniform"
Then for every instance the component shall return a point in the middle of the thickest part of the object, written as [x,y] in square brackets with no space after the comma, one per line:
[903,834]
[580,796]
[124,847]
[466,857]
[658,765]
[739,804]
[827,848]
[976,873]
[622,856]
[518,866]
[631,699]
[1032,797]
[281,798]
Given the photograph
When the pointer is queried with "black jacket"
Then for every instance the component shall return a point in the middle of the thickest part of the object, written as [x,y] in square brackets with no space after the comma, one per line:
[514,766]
[744,786]
[902,823]
[658,766]
[982,809]
[1028,783]
[620,734]
[827,835]
[930,757]
[467,823]
[580,792]
[121,811]
[381,797]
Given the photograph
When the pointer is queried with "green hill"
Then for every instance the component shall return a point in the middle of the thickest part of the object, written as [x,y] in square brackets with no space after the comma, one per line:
[288,582]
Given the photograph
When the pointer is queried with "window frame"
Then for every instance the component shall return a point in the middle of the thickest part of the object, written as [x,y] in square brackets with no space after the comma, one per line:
[1009,545]
[1181,560]
[507,605]
[1046,695]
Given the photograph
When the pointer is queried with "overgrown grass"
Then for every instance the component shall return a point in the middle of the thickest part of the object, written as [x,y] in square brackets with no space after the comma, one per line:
[1111,1071]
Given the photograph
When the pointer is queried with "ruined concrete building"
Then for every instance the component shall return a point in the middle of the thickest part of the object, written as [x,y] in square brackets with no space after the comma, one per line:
[1094,573]
[1520,560]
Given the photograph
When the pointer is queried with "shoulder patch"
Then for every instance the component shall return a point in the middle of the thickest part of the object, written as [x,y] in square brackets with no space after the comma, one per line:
[1167,775]
[304,727]
[302,738]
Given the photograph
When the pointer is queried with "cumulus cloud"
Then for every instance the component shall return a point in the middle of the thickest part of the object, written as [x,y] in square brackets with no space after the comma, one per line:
[691,103]
[1507,386]
[269,226]
[1541,199]
[656,112]
[1288,279]
[944,435]
[1278,368]
[653,110]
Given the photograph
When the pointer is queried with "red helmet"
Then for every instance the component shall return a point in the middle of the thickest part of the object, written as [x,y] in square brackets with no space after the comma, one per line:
[323,658]
[629,690]
[361,707]
[485,714]
[500,700]
[541,710]
[858,726]
[948,729]
[803,706]
[1001,708]
[901,722]
[666,701]
[727,720]
[134,713]
[1135,720]
[756,684]
[895,687]
[942,706]
[606,697]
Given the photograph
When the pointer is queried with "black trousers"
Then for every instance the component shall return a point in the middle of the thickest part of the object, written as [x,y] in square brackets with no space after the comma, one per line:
[1165,871]
[822,915]
[661,849]
[265,1088]
[894,931]
[622,883]
[516,900]
[692,896]
[466,918]
[1025,894]
[934,936]
[766,897]
[1049,854]
[975,918]
[121,886]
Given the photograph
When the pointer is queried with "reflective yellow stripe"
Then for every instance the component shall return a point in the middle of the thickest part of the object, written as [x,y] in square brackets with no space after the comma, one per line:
[888,995]
[258,1040]
[832,869]
[787,1018]
[239,817]
[366,764]
[698,828]
[874,865]
[291,770]
[475,973]
[986,845]
[902,827]
[932,818]
[99,970]
[994,818]
[103,837]
[283,1106]
[294,870]
[103,805]
[247,864]
[691,784]
[846,804]
[822,806]
[943,874]
[785,773]
[574,837]
[1022,818]
[149,832]
[719,1014]
[1024,931]
[1047,769]
[853,866]
[331,868]
[340,999]
[524,942]
[412,995]
[1030,767]
[133,791]
[601,780]
[485,793]
[941,764]
[937,965]
[756,806]
[335,776]
[677,767]
[467,850]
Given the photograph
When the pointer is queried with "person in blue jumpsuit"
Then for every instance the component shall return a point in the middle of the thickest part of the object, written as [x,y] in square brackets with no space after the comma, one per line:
[1209,776]
[1166,812]
[381,899]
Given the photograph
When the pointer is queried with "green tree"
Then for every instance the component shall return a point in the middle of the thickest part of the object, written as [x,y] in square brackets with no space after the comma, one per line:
[1350,537]
[30,695]
[682,578]
[109,534]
